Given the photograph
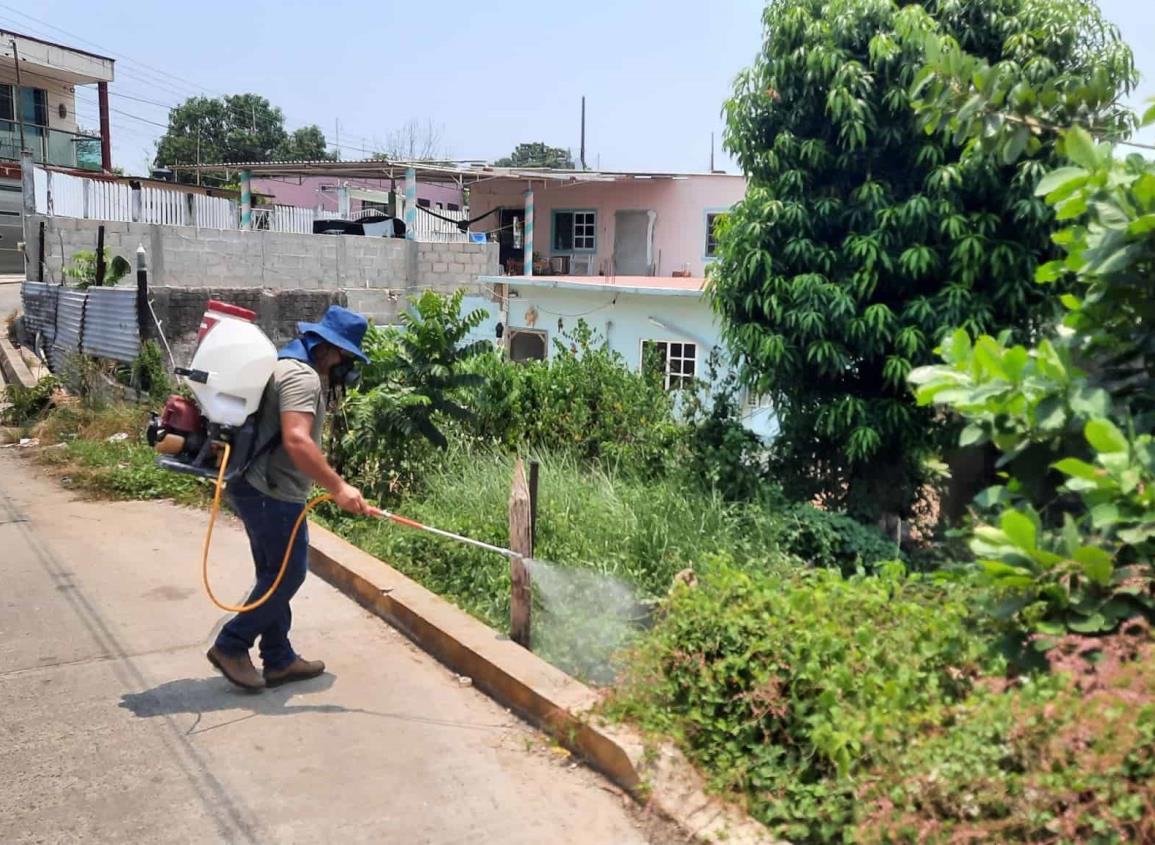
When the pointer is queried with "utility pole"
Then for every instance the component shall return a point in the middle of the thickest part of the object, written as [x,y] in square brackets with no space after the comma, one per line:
[19,98]
[583,152]
[711,152]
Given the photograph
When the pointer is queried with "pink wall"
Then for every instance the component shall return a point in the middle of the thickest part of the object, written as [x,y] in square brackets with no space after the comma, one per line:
[304,193]
[681,206]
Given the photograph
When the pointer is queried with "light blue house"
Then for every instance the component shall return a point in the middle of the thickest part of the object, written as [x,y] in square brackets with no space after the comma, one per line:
[632,313]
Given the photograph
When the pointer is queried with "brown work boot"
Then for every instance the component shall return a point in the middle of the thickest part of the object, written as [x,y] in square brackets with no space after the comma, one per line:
[239,669]
[299,670]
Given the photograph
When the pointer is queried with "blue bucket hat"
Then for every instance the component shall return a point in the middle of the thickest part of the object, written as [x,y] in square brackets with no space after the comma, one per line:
[341,327]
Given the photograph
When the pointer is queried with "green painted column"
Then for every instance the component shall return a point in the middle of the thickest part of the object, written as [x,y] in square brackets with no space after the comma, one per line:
[246,199]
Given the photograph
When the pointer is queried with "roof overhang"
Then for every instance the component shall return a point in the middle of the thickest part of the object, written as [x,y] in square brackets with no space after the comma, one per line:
[428,172]
[55,61]
[643,285]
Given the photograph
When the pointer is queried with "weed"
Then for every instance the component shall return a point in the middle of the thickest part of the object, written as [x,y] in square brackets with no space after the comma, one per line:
[27,404]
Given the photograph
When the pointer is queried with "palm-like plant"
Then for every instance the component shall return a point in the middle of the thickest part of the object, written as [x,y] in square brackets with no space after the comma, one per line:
[407,389]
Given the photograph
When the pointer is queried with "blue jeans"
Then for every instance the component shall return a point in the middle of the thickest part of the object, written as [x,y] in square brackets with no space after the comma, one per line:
[268,522]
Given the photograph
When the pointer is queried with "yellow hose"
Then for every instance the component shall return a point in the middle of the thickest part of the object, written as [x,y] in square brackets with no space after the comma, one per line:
[241,608]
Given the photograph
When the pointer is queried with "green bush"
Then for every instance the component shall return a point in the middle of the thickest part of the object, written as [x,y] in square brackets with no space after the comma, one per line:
[1066,757]
[27,404]
[832,539]
[786,688]
[583,401]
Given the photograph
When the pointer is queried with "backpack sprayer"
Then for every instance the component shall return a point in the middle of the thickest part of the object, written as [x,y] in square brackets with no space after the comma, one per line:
[215,435]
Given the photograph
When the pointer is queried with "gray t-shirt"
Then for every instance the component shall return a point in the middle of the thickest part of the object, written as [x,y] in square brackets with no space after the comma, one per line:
[295,386]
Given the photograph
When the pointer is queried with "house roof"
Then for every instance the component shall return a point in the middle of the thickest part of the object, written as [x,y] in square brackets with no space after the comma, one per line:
[459,173]
[646,285]
[13,34]
[55,61]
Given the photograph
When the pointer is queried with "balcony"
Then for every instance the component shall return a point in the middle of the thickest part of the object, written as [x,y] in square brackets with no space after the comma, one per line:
[51,146]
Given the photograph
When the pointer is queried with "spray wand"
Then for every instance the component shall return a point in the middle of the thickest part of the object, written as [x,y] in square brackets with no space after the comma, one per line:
[449,535]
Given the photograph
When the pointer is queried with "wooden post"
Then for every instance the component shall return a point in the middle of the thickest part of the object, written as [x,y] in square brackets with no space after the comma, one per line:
[520,541]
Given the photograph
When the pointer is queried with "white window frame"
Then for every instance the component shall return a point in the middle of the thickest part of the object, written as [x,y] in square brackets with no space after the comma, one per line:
[715,213]
[586,241]
[672,380]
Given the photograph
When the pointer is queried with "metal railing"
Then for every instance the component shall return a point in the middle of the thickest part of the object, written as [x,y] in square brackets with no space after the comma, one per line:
[51,146]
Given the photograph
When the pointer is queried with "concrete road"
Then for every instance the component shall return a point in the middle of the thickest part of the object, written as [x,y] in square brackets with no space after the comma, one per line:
[113,727]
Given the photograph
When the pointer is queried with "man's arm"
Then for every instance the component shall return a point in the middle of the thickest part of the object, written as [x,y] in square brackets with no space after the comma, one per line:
[297,438]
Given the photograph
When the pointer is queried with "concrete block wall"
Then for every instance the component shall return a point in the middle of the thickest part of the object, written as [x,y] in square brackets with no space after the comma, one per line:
[449,267]
[179,310]
[378,273]
[192,257]
[379,305]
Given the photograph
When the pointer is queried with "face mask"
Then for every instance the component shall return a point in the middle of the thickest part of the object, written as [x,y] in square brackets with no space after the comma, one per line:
[344,374]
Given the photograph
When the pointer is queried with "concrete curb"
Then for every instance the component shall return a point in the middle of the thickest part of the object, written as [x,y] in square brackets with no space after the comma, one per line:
[13,366]
[538,692]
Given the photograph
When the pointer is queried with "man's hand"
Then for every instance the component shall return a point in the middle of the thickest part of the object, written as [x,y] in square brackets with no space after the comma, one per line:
[349,498]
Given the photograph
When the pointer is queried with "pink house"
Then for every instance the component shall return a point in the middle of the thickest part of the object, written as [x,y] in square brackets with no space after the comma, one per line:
[604,224]
[323,193]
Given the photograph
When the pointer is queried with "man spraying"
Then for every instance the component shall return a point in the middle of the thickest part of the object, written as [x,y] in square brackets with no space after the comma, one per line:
[274,490]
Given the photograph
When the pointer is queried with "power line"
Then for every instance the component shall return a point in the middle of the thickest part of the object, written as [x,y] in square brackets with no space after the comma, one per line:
[367,146]
[199,90]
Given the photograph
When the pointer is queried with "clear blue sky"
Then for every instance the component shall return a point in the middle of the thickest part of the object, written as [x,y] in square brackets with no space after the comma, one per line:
[655,72]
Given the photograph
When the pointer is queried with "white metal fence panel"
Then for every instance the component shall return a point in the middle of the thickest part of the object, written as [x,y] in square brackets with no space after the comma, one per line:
[214,212]
[109,201]
[162,206]
[430,228]
[66,195]
[40,186]
[285,218]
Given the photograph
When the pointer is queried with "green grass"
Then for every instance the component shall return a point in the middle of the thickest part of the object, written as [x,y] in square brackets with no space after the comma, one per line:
[592,522]
[123,470]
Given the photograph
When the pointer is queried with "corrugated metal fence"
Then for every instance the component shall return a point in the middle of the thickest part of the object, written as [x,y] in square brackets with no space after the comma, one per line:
[64,321]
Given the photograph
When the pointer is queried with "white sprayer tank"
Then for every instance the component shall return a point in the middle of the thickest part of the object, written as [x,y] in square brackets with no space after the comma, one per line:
[238,359]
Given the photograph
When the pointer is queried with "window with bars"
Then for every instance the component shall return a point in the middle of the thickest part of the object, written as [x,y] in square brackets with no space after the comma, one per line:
[713,218]
[575,231]
[676,361]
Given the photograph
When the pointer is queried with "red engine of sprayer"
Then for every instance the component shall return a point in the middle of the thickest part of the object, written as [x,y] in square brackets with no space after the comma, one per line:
[179,430]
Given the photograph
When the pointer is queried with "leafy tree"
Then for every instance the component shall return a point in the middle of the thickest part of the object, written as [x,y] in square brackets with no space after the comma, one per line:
[241,127]
[304,144]
[1070,537]
[864,237]
[537,154]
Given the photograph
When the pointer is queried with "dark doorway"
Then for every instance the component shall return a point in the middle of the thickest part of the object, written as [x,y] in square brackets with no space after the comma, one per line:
[506,251]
